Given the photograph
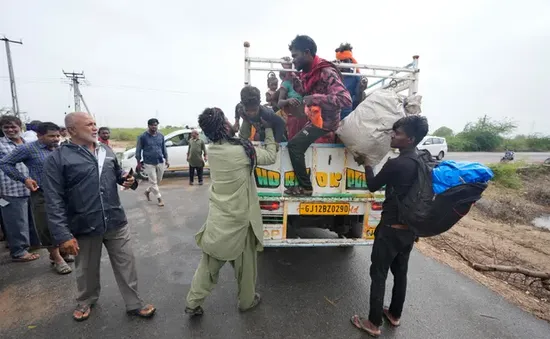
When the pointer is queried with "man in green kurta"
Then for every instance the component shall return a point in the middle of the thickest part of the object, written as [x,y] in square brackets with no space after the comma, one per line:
[194,156]
[233,231]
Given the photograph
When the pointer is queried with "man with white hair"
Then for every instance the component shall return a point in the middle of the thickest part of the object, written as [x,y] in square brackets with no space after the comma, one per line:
[84,212]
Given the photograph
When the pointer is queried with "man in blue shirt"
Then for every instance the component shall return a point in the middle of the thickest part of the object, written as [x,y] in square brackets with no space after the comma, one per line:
[154,158]
[33,155]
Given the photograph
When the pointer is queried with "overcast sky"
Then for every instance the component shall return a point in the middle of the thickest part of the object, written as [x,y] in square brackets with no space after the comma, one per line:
[171,59]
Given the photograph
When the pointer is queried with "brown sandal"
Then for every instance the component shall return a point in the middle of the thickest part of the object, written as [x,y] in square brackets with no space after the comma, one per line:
[393,321]
[146,311]
[358,322]
[84,310]
[26,257]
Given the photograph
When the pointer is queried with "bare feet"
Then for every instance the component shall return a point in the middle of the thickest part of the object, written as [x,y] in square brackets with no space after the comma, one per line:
[147,195]
[161,203]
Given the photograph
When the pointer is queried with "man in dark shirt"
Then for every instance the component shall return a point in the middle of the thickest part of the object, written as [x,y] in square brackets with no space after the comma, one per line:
[252,113]
[155,158]
[393,241]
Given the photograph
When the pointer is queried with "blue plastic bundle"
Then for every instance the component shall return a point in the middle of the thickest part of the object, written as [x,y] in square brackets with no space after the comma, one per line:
[451,173]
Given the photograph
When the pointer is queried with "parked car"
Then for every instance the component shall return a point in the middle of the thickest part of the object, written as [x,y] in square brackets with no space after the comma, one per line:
[437,146]
[177,144]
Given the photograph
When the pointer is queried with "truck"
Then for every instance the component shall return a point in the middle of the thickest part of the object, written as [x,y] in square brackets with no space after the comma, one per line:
[341,204]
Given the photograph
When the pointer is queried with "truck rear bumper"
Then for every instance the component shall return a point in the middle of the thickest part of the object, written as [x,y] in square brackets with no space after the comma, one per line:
[318,242]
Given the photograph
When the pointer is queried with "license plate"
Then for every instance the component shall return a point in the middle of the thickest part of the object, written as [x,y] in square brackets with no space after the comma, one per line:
[307,208]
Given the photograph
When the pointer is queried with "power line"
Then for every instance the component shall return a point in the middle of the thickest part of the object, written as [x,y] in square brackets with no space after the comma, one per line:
[14,101]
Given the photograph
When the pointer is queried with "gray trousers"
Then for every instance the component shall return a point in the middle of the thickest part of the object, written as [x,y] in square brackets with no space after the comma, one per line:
[87,264]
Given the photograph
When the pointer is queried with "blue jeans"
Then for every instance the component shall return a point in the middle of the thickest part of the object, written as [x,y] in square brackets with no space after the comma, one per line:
[19,226]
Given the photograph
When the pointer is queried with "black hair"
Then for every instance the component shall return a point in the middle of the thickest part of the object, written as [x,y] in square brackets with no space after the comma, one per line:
[152,121]
[415,126]
[344,47]
[303,43]
[250,96]
[213,123]
[104,129]
[6,119]
[44,127]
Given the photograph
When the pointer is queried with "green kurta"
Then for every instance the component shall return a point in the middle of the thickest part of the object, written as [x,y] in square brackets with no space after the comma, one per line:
[234,204]
[195,151]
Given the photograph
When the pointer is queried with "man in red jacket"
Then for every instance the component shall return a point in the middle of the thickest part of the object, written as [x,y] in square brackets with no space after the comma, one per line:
[324,95]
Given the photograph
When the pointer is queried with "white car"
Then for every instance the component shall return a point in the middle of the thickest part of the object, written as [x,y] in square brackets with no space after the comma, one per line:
[437,146]
[177,144]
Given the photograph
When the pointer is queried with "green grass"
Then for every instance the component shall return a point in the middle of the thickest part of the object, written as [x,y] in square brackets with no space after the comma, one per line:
[131,134]
[506,174]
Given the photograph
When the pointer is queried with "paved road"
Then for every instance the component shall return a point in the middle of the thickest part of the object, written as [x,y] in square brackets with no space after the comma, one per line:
[296,285]
[494,157]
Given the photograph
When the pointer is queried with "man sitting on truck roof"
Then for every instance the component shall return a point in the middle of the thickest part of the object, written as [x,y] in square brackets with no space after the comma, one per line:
[393,241]
[324,96]
[252,113]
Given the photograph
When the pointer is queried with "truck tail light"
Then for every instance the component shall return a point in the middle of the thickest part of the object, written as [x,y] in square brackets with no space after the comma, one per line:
[270,205]
[376,206]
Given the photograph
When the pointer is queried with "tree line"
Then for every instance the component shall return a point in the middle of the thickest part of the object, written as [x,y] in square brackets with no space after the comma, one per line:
[488,135]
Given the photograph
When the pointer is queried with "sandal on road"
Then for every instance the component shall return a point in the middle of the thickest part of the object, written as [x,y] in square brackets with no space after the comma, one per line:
[393,320]
[67,257]
[371,330]
[62,268]
[145,312]
[82,312]
[26,257]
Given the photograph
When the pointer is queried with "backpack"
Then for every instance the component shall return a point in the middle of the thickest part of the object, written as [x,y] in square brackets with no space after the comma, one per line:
[428,214]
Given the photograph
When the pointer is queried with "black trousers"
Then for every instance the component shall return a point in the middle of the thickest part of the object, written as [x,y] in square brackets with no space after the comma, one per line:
[297,148]
[391,251]
[192,173]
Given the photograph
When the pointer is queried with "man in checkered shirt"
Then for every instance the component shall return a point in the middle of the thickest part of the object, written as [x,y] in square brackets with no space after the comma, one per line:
[19,227]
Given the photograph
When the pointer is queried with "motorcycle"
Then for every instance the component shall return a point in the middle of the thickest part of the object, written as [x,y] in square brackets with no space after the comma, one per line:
[508,156]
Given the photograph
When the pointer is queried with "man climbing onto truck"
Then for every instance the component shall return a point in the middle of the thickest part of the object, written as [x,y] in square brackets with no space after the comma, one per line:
[324,97]
[252,113]
[393,241]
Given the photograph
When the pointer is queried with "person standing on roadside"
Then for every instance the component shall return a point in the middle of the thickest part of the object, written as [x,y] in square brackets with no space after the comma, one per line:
[14,198]
[393,241]
[195,157]
[104,136]
[84,213]
[153,159]
[233,231]
[33,155]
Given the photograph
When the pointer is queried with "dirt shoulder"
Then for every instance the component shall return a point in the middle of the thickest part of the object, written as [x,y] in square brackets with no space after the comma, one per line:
[499,231]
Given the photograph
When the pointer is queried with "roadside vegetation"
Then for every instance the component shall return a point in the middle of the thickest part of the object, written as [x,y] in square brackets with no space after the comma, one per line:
[498,244]
[131,134]
[487,135]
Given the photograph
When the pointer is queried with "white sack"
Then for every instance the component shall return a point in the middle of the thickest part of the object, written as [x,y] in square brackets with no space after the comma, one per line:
[366,131]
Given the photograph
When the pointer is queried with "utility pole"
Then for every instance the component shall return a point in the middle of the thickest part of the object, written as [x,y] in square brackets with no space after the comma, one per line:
[75,79]
[15,103]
